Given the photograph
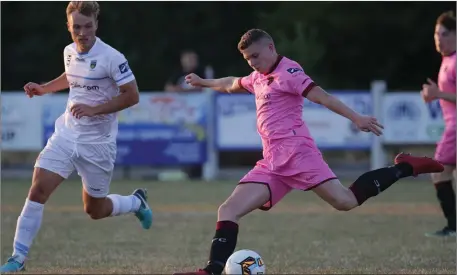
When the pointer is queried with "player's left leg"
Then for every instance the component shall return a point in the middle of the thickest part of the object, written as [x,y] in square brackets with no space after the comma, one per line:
[446,154]
[259,189]
[95,165]
[374,182]
[446,197]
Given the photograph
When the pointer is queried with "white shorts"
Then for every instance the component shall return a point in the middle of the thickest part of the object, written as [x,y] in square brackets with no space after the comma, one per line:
[93,162]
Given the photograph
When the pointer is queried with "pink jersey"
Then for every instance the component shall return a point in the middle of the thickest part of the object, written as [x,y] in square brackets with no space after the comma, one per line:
[287,142]
[446,83]
[279,100]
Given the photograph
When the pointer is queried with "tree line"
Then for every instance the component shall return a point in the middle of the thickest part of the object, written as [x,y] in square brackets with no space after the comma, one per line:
[342,45]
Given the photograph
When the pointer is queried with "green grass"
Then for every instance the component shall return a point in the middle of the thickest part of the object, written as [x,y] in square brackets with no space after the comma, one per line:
[301,235]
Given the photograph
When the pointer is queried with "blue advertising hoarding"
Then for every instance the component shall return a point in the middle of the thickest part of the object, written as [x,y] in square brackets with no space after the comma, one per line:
[163,129]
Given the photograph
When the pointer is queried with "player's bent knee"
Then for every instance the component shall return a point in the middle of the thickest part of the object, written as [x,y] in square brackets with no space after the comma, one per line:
[38,192]
[344,201]
[446,175]
[93,212]
[341,202]
[227,212]
[97,207]
[245,198]
[436,177]
[335,194]
[43,184]
[343,205]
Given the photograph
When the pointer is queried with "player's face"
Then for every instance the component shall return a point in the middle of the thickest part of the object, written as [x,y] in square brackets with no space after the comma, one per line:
[82,29]
[260,56]
[444,40]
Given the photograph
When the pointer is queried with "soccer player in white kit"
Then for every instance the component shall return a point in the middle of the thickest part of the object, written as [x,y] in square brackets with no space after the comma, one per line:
[101,84]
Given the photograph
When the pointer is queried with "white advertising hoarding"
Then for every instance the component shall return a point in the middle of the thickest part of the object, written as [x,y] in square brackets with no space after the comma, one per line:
[409,120]
[236,122]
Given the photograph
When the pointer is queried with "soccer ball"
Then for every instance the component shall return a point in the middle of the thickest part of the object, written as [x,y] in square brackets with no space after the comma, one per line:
[244,262]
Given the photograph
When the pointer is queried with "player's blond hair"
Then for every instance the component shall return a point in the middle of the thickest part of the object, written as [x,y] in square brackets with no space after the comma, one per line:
[252,36]
[87,8]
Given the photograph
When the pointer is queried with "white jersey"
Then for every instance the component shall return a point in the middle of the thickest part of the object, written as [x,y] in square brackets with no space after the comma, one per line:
[94,78]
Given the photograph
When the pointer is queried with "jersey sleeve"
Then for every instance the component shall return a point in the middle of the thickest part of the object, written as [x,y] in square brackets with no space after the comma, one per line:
[247,83]
[299,82]
[119,70]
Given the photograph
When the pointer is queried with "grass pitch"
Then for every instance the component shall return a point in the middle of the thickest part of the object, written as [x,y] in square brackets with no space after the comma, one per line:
[301,235]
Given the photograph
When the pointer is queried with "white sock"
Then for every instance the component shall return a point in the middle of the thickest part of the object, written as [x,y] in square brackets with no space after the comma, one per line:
[124,204]
[28,225]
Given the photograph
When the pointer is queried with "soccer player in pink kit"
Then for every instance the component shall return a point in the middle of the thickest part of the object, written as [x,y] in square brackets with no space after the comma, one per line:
[445,91]
[291,159]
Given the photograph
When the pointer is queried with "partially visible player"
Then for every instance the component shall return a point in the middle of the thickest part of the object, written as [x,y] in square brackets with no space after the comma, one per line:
[445,91]
[101,84]
[291,157]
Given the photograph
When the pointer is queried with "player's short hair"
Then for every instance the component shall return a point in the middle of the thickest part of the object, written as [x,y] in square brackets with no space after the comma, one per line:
[87,8]
[252,36]
[447,20]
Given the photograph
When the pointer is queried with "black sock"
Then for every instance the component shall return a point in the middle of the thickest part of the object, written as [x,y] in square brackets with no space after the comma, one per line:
[223,245]
[374,182]
[446,197]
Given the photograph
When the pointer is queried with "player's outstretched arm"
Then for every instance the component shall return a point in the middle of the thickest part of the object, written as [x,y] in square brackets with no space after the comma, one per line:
[128,97]
[58,84]
[364,123]
[228,84]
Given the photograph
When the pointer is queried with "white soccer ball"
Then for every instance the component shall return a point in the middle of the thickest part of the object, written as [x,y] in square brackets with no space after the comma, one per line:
[244,262]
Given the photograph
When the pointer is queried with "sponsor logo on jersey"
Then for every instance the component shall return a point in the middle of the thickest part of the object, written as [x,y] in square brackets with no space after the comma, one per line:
[76,85]
[124,67]
[294,70]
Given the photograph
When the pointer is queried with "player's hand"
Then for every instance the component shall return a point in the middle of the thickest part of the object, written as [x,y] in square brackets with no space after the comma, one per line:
[429,91]
[80,110]
[32,89]
[369,124]
[426,97]
[194,80]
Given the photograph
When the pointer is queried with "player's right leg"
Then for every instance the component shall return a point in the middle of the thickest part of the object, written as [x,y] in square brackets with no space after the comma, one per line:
[52,166]
[95,165]
[258,189]
[374,182]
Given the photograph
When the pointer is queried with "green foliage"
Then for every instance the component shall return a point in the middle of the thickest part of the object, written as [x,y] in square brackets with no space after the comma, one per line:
[349,44]
[340,44]
[303,46]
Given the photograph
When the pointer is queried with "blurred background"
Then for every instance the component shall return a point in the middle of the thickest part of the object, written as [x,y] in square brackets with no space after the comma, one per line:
[182,132]
[189,147]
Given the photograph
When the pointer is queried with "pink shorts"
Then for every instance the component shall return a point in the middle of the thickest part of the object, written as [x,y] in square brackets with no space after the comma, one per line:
[298,168]
[445,149]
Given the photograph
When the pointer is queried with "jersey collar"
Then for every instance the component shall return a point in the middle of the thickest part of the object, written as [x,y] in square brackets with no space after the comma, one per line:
[278,60]
[91,49]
